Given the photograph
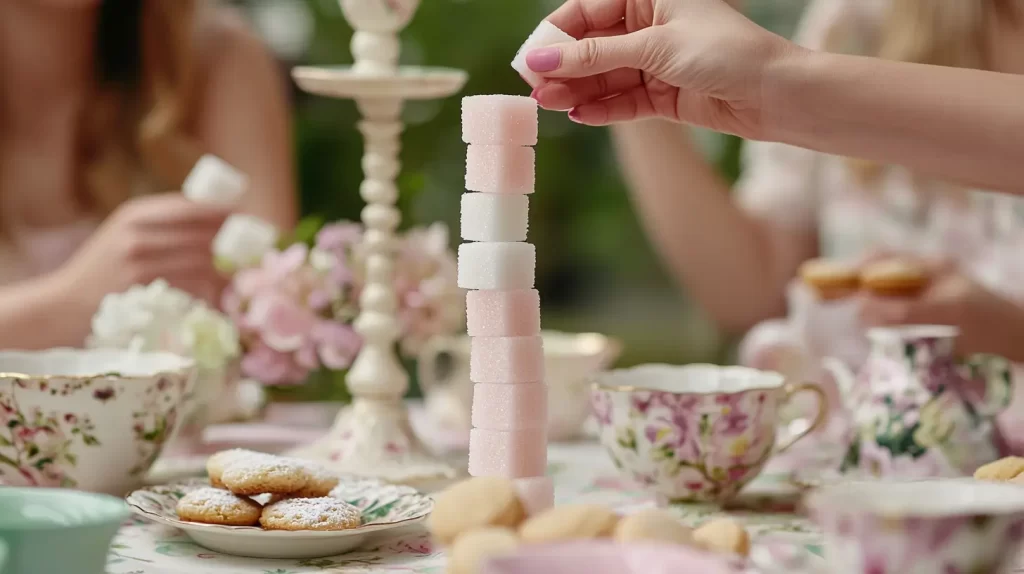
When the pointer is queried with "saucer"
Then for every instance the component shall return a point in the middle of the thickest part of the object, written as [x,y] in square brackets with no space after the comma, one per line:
[383,506]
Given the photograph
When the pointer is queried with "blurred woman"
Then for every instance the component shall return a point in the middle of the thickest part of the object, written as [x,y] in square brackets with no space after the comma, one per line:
[737,250]
[105,107]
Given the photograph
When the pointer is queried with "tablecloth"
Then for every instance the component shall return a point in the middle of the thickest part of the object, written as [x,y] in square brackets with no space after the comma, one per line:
[582,472]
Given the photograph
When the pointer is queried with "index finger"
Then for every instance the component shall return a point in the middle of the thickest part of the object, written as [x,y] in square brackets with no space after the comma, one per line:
[174,209]
[577,18]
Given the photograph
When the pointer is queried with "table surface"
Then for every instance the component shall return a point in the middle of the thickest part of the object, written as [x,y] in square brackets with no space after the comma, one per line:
[582,473]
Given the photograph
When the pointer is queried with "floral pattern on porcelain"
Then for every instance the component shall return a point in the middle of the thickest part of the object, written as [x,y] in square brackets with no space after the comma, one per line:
[95,433]
[36,446]
[966,544]
[688,447]
[920,414]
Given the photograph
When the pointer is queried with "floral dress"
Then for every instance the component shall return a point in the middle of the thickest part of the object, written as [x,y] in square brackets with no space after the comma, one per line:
[897,212]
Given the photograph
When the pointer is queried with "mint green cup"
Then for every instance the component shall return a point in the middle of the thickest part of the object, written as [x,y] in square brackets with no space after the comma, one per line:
[49,531]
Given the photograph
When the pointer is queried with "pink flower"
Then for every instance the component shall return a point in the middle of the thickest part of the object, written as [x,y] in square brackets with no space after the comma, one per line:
[285,325]
[272,367]
[248,283]
[281,264]
[339,236]
[307,357]
[337,343]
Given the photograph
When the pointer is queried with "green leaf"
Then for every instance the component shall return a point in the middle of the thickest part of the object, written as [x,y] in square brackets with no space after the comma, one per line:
[305,231]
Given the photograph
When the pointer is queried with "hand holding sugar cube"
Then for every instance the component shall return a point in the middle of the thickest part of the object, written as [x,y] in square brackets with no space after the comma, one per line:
[509,438]
[243,239]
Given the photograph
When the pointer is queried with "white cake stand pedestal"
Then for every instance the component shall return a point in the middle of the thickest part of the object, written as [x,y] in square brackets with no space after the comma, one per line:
[372,436]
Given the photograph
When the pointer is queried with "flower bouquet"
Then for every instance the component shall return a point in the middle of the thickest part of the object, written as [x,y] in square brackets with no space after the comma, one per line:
[158,317]
[295,309]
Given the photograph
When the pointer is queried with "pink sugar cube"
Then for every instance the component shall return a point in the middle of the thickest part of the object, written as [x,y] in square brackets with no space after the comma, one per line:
[499,120]
[546,34]
[495,217]
[503,313]
[511,454]
[498,265]
[500,168]
[510,407]
[536,493]
[506,359]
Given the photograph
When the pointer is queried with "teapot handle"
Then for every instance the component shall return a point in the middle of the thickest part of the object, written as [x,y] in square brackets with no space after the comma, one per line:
[842,374]
[997,375]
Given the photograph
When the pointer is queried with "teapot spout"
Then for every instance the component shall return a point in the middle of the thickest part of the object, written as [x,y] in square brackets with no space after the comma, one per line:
[843,376]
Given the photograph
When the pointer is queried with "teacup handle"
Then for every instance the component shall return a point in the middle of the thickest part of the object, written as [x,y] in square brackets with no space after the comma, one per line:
[820,418]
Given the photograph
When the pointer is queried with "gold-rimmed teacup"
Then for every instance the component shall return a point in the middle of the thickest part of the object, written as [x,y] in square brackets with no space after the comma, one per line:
[88,419]
[695,433]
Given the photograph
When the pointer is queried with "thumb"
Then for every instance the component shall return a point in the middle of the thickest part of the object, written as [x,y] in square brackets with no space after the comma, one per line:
[592,56]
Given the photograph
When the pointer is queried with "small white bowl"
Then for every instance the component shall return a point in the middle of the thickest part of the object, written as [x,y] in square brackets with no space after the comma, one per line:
[384,507]
[88,419]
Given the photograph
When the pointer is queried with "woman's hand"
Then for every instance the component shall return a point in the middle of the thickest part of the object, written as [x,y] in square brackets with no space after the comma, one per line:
[696,61]
[148,238]
[988,322]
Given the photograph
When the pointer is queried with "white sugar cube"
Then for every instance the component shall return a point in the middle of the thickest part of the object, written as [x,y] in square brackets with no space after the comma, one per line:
[546,34]
[213,180]
[494,217]
[503,265]
[243,240]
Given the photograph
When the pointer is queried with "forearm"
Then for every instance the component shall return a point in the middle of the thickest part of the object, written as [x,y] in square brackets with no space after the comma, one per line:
[959,124]
[712,247]
[37,314]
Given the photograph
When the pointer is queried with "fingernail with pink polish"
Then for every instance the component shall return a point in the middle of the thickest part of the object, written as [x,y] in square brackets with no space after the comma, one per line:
[574,115]
[544,59]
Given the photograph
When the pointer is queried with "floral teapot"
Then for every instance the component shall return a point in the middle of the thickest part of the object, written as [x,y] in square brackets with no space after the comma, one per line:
[916,412]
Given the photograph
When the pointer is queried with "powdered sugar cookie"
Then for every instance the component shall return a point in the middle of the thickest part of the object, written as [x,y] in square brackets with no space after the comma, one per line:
[310,514]
[723,535]
[653,525]
[217,462]
[475,503]
[320,481]
[249,476]
[471,549]
[1001,470]
[569,522]
[830,279]
[216,506]
[894,278]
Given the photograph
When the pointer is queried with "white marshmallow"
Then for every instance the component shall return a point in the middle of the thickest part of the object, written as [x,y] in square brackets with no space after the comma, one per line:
[213,180]
[546,34]
[494,217]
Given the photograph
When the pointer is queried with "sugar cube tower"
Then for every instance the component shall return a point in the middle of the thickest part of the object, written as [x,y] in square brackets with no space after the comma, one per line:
[509,436]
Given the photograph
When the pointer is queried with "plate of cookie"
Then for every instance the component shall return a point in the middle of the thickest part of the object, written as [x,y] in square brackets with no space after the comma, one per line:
[266,506]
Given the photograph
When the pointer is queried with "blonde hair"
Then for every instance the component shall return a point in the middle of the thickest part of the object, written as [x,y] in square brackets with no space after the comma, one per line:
[135,131]
[938,32]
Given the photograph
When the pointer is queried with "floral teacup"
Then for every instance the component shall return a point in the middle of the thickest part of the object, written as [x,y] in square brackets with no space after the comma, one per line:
[696,433]
[88,419]
[947,526]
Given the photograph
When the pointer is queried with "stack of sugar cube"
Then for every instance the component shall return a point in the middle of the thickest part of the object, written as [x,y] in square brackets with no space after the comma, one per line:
[509,435]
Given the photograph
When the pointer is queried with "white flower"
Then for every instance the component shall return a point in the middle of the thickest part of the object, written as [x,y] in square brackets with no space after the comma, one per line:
[158,317]
[243,240]
[321,260]
[210,337]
